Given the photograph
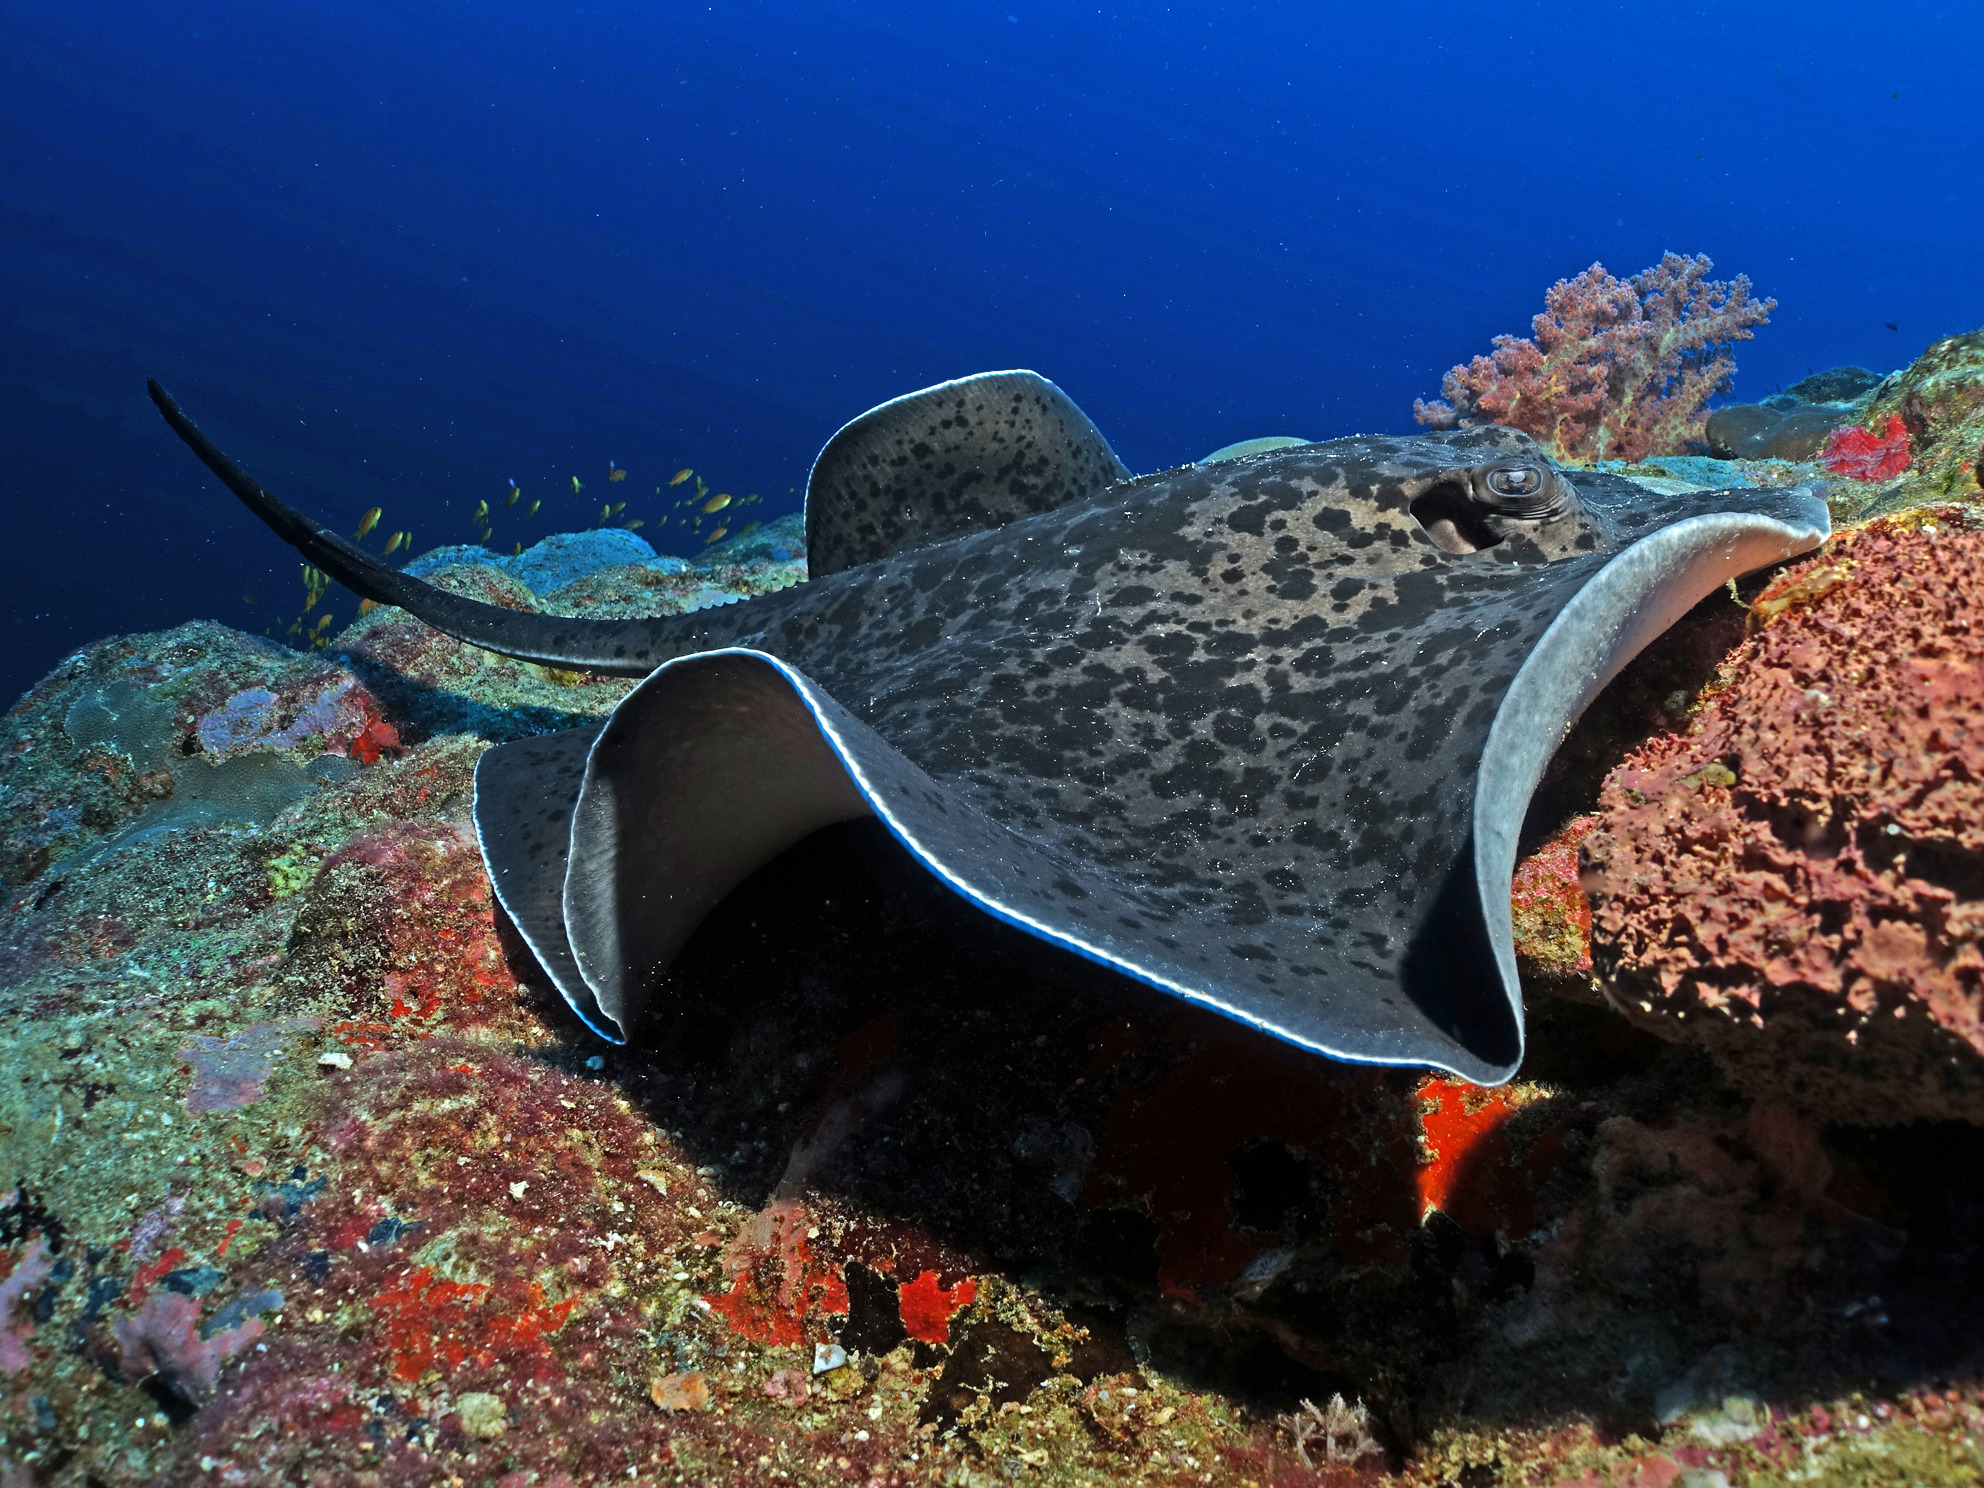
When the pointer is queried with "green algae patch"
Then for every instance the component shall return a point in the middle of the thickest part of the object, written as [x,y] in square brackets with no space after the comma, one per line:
[291,871]
[1911,1454]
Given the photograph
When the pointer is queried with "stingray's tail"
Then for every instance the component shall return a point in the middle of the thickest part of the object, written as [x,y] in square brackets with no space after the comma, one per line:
[615,647]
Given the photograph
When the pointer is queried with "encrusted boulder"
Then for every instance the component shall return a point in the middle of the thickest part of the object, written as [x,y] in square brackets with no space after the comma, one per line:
[1918,438]
[200,725]
[1797,882]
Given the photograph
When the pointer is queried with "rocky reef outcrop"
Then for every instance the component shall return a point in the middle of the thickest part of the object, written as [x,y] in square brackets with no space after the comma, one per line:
[315,1181]
[1797,882]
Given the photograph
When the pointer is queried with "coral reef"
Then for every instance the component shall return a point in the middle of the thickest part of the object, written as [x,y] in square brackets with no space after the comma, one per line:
[1759,431]
[32,1267]
[1798,882]
[565,559]
[1876,445]
[1927,427]
[558,560]
[319,1183]
[1792,425]
[1617,368]
[228,1072]
[1939,398]
[199,726]
[1879,445]
[1341,1432]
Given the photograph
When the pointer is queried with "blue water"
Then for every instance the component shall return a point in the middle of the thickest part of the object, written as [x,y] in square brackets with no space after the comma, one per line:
[397,255]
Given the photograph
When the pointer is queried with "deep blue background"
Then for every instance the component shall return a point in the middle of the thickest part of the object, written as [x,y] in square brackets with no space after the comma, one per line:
[396,253]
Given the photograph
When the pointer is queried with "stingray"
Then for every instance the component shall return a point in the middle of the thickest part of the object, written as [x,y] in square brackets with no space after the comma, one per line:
[1259,732]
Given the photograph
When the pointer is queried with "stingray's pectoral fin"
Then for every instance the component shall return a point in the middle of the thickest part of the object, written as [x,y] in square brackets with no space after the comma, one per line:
[717,763]
[607,848]
[618,648]
[704,773]
[1630,601]
[524,795]
[721,760]
[1451,975]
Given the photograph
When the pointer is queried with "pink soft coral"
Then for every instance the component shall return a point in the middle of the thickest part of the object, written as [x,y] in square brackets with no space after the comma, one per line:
[1620,368]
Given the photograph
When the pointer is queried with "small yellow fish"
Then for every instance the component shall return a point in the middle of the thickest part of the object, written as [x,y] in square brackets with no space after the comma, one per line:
[322,620]
[576,487]
[716,535]
[533,508]
[616,473]
[617,508]
[516,550]
[481,518]
[515,496]
[680,476]
[604,513]
[397,541]
[635,526]
[365,524]
[367,606]
[717,502]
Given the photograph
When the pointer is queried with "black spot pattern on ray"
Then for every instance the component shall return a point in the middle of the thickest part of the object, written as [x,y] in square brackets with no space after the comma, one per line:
[1259,734]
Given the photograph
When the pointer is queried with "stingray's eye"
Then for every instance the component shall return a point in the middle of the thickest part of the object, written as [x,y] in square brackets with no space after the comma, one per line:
[1520,490]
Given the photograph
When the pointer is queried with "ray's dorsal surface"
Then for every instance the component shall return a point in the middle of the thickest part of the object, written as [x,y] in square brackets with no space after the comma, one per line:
[1259,733]
[964,456]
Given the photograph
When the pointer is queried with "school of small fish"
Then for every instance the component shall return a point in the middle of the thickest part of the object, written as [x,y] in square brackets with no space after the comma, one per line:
[695,506]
